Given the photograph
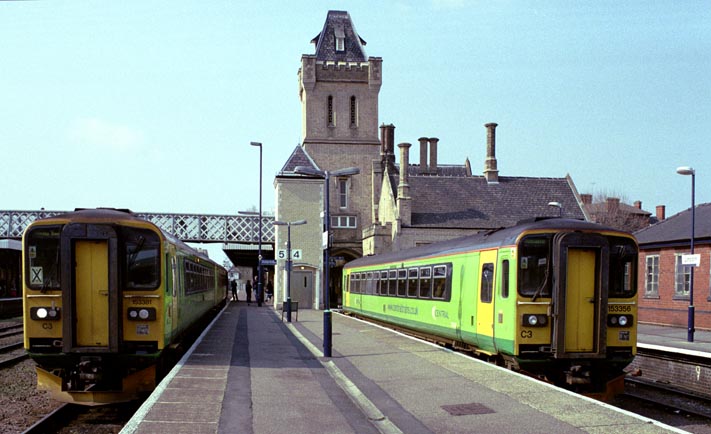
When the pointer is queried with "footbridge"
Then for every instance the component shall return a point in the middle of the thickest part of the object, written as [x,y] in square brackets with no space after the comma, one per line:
[197,228]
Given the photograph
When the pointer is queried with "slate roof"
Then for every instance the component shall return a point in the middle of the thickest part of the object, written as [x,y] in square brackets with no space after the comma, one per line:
[471,202]
[677,229]
[601,207]
[297,158]
[339,22]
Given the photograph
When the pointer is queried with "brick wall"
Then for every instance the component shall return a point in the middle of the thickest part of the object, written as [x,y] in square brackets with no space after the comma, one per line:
[667,309]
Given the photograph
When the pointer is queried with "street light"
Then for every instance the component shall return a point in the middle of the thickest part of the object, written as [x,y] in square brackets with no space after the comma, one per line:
[686,170]
[557,205]
[259,249]
[288,262]
[326,175]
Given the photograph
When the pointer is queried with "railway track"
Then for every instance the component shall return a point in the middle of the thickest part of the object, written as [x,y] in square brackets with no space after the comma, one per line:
[72,418]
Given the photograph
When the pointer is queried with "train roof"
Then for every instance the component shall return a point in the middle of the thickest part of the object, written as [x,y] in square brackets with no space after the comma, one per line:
[106,215]
[488,239]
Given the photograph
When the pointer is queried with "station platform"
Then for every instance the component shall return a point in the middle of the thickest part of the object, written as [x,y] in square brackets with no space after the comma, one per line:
[251,372]
[674,339]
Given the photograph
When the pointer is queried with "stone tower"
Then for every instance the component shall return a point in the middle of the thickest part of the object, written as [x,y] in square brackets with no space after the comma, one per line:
[338,89]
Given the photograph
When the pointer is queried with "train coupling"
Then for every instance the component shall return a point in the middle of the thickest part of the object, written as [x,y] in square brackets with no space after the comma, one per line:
[578,374]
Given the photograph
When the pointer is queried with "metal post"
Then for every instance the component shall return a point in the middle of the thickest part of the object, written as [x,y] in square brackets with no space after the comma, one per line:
[288,272]
[327,330]
[259,248]
[690,331]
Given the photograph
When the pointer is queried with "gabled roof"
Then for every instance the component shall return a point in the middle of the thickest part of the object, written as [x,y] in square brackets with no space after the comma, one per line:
[471,202]
[338,23]
[602,207]
[297,158]
[677,228]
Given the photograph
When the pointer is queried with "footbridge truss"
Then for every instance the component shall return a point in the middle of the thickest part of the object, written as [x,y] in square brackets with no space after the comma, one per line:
[198,228]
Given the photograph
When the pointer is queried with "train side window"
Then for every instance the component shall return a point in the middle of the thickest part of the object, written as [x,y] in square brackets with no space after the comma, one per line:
[384,283]
[425,282]
[355,283]
[401,283]
[439,281]
[487,282]
[505,278]
[369,282]
[392,287]
[142,259]
[412,282]
[42,257]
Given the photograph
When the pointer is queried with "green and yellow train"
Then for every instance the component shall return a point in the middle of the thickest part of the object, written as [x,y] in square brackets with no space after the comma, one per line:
[555,298]
[107,296]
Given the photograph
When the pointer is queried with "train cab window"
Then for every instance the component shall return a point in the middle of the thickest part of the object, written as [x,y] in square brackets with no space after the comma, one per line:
[439,281]
[42,257]
[487,282]
[425,282]
[141,259]
[401,283]
[384,283]
[623,268]
[505,278]
[392,286]
[412,282]
[534,276]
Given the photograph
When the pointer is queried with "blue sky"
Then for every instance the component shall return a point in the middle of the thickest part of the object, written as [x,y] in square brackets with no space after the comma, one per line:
[151,104]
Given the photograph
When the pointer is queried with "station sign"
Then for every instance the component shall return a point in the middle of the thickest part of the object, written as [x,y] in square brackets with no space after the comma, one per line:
[269,261]
[694,259]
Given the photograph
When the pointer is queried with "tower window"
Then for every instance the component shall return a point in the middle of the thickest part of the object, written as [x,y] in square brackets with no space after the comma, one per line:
[330,111]
[340,39]
[343,193]
[354,111]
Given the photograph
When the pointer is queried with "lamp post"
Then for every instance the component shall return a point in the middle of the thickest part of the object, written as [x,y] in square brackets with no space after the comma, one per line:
[686,170]
[259,248]
[326,175]
[557,205]
[288,262]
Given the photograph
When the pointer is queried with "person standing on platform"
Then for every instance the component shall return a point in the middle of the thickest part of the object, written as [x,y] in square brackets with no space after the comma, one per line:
[248,288]
[233,287]
[269,291]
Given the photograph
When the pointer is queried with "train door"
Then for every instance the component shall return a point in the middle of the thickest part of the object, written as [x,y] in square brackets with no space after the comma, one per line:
[505,320]
[89,276]
[580,294]
[466,279]
[92,293]
[485,305]
[302,288]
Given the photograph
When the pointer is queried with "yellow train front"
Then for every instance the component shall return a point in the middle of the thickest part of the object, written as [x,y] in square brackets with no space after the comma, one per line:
[555,298]
[106,295]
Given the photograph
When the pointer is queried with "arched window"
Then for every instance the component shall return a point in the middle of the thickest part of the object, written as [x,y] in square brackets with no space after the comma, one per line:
[354,111]
[330,110]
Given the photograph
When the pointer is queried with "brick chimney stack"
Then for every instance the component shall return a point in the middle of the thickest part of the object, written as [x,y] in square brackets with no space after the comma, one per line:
[638,204]
[661,212]
[387,143]
[490,171]
[586,198]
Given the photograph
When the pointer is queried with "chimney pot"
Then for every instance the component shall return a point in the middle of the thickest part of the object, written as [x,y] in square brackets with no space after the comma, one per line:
[490,170]
[423,154]
[433,155]
[638,204]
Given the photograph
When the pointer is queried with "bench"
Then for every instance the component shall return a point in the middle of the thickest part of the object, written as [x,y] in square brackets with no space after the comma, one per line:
[294,309]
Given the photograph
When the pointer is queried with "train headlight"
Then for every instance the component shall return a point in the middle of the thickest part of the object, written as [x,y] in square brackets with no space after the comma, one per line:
[141,314]
[45,313]
[620,320]
[533,320]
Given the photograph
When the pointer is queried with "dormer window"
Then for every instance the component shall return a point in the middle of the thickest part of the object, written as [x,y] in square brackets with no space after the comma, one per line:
[340,39]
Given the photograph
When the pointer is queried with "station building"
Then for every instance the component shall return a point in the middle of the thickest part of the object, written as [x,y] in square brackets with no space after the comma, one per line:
[664,282]
[390,204]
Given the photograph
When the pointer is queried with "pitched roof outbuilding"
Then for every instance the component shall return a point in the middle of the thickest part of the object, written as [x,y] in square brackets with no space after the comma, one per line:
[677,228]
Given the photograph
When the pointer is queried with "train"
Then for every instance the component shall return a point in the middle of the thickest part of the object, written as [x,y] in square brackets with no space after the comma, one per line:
[553,298]
[108,299]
